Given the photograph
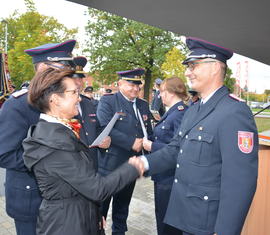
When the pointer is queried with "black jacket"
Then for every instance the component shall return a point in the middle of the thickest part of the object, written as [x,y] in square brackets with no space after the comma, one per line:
[68,182]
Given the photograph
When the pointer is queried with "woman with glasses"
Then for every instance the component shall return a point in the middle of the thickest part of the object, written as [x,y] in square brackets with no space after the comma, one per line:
[62,164]
[174,96]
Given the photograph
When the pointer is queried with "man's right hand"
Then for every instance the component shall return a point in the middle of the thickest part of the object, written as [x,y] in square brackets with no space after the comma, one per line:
[138,163]
[138,144]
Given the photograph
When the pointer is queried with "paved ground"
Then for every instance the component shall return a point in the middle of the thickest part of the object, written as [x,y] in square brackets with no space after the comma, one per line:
[140,222]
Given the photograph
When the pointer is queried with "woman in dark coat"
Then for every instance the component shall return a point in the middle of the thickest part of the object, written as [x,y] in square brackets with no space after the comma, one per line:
[64,169]
[173,94]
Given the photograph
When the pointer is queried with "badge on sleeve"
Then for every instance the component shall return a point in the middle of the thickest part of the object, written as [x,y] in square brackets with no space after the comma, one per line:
[245,141]
[145,117]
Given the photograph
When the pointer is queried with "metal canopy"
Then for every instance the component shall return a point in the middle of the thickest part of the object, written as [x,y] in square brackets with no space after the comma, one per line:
[241,25]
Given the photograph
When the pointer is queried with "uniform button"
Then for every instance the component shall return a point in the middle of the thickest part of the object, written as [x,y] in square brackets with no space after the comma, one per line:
[86,133]
[163,121]
[27,187]
[186,136]
[136,135]
[200,128]
[107,151]
[205,198]
[177,165]
[156,138]
[181,151]
[180,133]
[163,127]
[121,119]
[175,180]
[199,137]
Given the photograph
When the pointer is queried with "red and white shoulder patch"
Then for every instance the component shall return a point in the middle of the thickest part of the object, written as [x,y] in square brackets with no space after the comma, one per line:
[233,96]
[245,141]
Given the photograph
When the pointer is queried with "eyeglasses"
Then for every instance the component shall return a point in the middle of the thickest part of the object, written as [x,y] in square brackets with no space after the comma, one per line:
[73,92]
[191,65]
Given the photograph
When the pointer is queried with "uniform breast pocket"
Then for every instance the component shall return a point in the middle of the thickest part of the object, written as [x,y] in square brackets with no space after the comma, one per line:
[200,147]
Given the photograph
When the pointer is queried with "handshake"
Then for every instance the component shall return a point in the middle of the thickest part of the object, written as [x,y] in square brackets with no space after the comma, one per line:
[138,163]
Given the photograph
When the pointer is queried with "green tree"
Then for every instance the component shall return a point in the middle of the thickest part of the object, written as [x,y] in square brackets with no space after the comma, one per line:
[267,92]
[229,81]
[117,43]
[173,64]
[29,30]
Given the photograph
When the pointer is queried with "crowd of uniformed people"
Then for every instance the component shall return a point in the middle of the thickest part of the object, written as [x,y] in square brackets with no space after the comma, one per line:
[200,147]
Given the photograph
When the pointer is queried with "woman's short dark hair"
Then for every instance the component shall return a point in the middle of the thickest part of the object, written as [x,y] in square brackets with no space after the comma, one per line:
[46,83]
[176,86]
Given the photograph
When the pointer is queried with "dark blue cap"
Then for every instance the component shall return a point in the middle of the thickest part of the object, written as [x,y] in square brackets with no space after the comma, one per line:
[201,49]
[158,81]
[52,52]
[133,76]
[80,62]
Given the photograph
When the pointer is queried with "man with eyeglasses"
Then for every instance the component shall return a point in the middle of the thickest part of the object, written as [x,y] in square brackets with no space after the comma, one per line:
[16,116]
[215,152]
[87,113]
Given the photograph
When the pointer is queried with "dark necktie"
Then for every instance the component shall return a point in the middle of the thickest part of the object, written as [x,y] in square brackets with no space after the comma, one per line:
[131,103]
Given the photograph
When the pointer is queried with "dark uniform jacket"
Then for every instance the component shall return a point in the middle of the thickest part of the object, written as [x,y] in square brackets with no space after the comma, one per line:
[68,181]
[157,104]
[90,125]
[164,131]
[216,159]
[125,130]
[22,194]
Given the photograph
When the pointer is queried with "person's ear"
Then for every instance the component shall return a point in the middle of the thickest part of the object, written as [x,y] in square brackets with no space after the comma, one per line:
[55,99]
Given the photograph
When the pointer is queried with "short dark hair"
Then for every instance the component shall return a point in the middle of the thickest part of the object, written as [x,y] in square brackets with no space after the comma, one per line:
[46,83]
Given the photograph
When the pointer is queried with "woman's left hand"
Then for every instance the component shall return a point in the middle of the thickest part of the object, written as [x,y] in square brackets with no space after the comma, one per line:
[106,142]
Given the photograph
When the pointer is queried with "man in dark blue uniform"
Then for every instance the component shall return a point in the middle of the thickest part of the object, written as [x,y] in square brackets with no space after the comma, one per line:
[87,112]
[127,136]
[88,91]
[16,116]
[157,104]
[215,152]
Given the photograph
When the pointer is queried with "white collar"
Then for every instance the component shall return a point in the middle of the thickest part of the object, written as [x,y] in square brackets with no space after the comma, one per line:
[203,101]
[128,98]
[51,119]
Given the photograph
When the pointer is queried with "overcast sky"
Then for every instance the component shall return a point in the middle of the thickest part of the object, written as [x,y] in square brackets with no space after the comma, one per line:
[72,15]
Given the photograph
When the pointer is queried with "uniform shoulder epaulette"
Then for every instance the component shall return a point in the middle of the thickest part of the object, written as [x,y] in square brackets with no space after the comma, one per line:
[236,97]
[19,93]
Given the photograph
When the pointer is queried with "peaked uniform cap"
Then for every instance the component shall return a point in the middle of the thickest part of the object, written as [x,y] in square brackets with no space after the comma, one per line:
[133,76]
[158,81]
[80,62]
[52,52]
[201,49]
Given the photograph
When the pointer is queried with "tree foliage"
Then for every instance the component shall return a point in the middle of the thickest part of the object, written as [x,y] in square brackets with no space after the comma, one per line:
[29,30]
[229,81]
[173,64]
[117,43]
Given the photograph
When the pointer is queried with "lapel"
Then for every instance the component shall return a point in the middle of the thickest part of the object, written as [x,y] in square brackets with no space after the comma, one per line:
[196,116]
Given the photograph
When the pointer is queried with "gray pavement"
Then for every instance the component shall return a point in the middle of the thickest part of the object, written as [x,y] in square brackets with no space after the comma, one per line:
[141,219]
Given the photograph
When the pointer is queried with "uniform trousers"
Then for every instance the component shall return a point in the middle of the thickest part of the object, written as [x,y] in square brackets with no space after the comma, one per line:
[120,208]
[25,228]
[162,195]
